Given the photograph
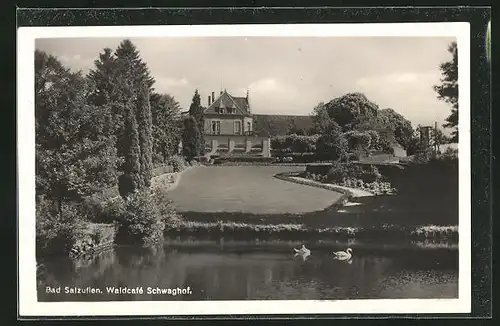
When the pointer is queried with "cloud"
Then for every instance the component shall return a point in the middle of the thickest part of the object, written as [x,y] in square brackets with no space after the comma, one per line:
[166,84]
[409,93]
[288,75]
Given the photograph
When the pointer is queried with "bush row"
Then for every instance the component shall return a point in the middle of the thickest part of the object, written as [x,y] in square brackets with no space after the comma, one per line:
[295,143]
[383,232]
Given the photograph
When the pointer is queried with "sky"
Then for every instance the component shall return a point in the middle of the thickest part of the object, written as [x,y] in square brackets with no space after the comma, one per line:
[285,75]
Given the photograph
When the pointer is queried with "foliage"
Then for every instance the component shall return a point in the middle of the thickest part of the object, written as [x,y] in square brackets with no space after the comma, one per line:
[177,162]
[196,111]
[437,138]
[374,139]
[131,67]
[322,122]
[97,210]
[130,180]
[191,139]
[166,210]
[341,171]
[331,145]
[141,221]
[450,154]
[145,132]
[117,80]
[165,112]
[358,140]
[281,125]
[448,89]
[416,144]
[58,226]
[295,143]
[350,109]
[376,187]
[354,112]
[424,155]
[400,127]
[74,158]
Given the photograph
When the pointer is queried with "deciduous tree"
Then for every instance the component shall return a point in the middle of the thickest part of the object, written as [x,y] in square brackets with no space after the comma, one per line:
[73,157]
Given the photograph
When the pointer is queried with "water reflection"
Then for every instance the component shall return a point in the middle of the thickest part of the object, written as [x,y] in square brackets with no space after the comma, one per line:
[226,270]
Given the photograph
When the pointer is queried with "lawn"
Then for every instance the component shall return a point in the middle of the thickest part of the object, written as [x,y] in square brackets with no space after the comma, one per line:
[251,195]
[247,189]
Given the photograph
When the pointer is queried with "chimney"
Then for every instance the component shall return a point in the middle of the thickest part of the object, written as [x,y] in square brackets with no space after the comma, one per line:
[213,96]
[220,92]
[209,100]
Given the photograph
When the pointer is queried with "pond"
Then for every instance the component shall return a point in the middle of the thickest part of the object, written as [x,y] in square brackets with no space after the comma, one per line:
[226,269]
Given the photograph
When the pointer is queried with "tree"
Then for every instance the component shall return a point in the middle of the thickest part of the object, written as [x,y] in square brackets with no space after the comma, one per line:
[332,145]
[130,65]
[117,79]
[438,138]
[131,179]
[191,139]
[350,110]
[358,140]
[401,127]
[448,89]
[145,132]
[166,125]
[196,111]
[322,122]
[73,157]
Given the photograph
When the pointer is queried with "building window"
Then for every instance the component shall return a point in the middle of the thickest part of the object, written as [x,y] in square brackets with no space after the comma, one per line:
[237,127]
[249,126]
[215,127]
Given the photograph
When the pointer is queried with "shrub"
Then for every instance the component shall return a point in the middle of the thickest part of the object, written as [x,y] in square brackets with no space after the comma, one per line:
[101,233]
[423,156]
[370,174]
[374,139]
[294,143]
[341,171]
[97,210]
[358,140]
[177,162]
[449,154]
[166,210]
[141,221]
[331,146]
[57,232]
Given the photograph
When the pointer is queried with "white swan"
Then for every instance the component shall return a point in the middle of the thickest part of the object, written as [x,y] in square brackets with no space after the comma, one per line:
[303,251]
[343,255]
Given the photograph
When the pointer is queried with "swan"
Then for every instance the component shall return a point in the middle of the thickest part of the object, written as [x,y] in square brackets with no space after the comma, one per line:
[303,251]
[343,255]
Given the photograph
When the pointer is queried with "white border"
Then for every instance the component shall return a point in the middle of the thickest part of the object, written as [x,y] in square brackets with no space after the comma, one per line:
[28,305]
